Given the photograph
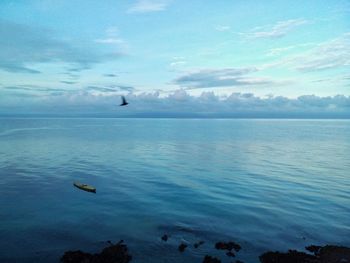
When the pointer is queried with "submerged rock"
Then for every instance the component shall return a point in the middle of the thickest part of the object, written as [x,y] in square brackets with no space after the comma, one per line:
[113,254]
[118,253]
[165,237]
[196,245]
[182,247]
[230,254]
[210,259]
[228,246]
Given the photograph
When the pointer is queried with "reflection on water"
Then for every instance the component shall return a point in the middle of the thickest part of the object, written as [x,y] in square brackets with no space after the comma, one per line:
[267,184]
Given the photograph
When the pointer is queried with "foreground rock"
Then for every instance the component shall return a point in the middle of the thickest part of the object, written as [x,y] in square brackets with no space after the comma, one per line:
[113,254]
[76,257]
[313,249]
[292,256]
[326,254]
[334,254]
[210,259]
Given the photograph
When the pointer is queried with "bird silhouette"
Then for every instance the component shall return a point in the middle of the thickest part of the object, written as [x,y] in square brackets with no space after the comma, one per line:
[124,102]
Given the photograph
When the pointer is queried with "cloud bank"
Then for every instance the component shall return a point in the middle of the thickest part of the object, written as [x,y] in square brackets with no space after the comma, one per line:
[97,101]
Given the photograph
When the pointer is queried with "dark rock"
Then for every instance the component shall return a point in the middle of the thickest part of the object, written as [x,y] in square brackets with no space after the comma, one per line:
[182,247]
[238,261]
[210,259]
[196,245]
[76,257]
[230,254]
[292,256]
[326,254]
[313,249]
[334,254]
[113,254]
[165,237]
[228,246]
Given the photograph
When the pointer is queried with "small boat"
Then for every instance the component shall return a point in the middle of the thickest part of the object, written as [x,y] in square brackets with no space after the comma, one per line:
[85,187]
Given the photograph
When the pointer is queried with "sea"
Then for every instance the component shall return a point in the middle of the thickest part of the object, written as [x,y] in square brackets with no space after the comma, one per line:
[267,184]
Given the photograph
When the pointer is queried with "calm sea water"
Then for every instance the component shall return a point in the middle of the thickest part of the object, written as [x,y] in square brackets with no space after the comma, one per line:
[266,184]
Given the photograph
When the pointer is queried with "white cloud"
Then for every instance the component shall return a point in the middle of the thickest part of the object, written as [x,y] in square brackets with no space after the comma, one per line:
[223,28]
[278,30]
[178,58]
[281,50]
[278,51]
[178,61]
[111,37]
[330,54]
[109,41]
[146,6]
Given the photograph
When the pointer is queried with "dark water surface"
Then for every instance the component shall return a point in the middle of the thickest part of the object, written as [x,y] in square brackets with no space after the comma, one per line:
[266,184]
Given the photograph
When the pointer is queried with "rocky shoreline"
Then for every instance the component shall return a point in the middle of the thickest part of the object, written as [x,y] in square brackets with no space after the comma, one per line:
[118,253]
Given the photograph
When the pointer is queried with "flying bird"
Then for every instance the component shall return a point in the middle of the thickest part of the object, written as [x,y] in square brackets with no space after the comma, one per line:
[124,102]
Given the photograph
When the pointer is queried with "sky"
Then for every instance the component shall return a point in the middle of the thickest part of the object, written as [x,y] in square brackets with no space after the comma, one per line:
[179,58]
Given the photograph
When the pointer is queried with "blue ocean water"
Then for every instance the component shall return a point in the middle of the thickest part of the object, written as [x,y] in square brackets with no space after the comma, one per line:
[266,184]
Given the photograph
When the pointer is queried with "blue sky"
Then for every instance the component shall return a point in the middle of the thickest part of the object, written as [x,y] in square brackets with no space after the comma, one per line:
[175,56]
